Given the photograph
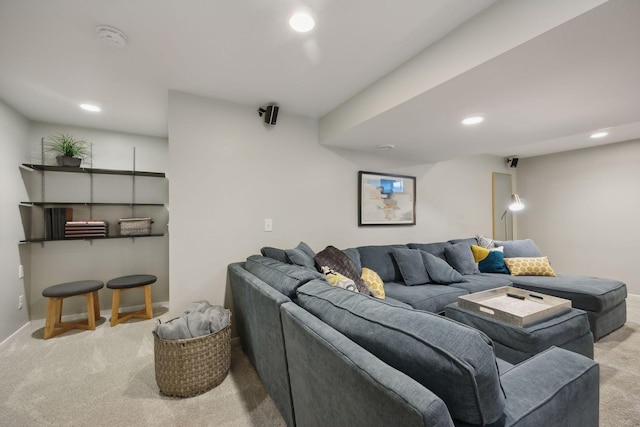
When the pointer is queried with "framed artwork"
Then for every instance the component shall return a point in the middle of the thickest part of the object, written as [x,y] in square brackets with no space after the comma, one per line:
[385,199]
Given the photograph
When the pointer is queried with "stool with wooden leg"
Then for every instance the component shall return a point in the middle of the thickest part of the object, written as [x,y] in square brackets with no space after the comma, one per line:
[128,282]
[56,293]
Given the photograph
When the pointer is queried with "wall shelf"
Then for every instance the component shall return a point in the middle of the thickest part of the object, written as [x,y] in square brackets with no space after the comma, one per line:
[92,170]
[89,204]
[89,238]
[49,230]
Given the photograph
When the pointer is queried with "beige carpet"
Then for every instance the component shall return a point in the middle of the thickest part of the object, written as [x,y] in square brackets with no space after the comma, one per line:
[106,378]
[619,357]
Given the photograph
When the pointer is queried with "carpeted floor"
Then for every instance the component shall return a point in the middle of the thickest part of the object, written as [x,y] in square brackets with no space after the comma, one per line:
[619,357]
[106,378]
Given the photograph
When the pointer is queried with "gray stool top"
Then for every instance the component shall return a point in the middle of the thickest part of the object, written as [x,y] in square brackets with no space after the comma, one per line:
[72,288]
[131,281]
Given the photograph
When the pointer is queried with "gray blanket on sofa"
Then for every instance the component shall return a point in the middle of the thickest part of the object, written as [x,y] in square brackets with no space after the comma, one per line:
[199,319]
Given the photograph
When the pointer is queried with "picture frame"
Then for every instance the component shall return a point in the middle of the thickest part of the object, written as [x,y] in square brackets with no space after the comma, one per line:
[386,199]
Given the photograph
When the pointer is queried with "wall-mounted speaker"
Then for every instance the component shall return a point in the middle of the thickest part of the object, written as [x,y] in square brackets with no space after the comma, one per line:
[512,162]
[270,114]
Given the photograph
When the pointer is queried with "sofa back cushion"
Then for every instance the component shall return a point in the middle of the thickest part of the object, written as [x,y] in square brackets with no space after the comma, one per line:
[285,278]
[380,259]
[525,248]
[454,361]
[436,249]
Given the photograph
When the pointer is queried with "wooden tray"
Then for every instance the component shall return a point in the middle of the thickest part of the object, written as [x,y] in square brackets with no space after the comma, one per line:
[514,306]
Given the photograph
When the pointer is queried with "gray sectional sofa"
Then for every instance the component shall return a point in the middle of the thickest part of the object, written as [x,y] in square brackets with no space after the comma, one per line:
[328,356]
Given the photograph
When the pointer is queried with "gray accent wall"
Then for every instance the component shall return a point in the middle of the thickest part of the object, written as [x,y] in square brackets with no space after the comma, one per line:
[64,261]
[14,131]
[582,210]
[229,173]
[57,262]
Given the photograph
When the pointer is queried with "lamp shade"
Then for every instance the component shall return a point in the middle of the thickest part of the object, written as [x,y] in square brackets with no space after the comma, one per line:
[516,203]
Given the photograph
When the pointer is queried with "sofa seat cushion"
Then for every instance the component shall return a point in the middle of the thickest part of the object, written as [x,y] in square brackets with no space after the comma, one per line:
[285,278]
[380,259]
[396,303]
[432,298]
[586,293]
[477,283]
[454,361]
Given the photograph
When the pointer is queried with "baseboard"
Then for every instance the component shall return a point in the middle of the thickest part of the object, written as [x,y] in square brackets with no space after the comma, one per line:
[15,333]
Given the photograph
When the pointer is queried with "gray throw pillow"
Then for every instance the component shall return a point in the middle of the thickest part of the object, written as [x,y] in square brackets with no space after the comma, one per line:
[274,253]
[306,249]
[302,255]
[354,256]
[411,266]
[519,248]
[439,271]
[460,257]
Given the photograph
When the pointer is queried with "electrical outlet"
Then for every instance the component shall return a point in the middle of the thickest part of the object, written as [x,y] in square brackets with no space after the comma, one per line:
[20,271]
[268,224]
[20,302]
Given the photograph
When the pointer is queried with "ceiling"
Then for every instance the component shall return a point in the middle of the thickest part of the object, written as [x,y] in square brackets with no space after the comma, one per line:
[544,95]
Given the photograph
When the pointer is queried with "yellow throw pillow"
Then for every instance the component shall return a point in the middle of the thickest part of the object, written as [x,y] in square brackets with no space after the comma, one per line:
[374,283]
[479,253]
[537,266]
[336,279]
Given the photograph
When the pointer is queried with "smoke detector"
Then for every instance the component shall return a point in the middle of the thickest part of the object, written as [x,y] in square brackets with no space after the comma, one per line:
[111,36]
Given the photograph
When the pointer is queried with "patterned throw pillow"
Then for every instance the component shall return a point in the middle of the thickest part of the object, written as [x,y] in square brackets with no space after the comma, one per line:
[485,242]
[536,266]
[374,283]
[336,279]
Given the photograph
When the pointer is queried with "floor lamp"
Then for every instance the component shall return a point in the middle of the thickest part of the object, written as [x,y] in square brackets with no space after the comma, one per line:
[516,205]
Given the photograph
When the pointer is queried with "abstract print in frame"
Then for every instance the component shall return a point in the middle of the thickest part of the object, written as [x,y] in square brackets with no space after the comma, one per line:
[385,199]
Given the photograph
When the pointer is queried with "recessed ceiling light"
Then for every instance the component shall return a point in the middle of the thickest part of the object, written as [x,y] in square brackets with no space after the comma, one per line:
[302,22]
[599,135]
[473,120]
[91,107]
[385,147]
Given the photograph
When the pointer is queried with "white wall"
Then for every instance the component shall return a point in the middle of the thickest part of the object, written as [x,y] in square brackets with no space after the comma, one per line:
[228,173]
[14,131]
[64,261]
[582,209]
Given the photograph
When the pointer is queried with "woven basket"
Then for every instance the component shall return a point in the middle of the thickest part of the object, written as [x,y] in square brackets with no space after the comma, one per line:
[135,226]
[188,367]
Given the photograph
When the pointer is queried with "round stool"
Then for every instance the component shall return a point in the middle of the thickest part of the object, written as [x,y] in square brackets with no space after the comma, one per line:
[56,293]
[121,284]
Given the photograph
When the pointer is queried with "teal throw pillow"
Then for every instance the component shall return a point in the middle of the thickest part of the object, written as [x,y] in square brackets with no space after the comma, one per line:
[493,263]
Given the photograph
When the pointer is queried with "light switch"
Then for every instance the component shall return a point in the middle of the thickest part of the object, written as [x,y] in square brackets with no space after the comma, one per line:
[268,224]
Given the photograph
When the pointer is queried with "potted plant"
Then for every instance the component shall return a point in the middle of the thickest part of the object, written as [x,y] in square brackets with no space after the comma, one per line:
[72,151]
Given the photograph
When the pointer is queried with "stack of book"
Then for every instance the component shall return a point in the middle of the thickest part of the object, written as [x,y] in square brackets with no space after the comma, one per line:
[54,222]
[83,229]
